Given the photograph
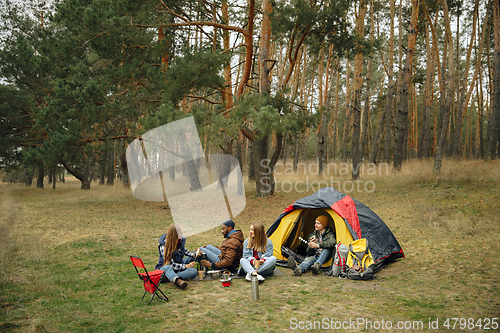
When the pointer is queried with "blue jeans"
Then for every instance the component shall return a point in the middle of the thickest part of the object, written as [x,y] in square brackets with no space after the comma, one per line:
[323,257]
[267,268]
[212,253]
[188,273]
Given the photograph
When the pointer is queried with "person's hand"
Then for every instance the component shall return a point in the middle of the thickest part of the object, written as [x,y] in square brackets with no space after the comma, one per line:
[313,245]
[262,261]
[190,265]
[313,239]
[206,263]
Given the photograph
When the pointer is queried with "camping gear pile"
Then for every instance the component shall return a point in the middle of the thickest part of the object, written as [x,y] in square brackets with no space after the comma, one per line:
[369,241]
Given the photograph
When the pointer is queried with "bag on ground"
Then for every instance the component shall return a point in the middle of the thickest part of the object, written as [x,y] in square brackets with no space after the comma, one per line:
[359,263]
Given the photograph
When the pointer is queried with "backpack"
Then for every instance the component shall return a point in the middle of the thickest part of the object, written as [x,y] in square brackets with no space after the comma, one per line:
[339,260]
[359,264]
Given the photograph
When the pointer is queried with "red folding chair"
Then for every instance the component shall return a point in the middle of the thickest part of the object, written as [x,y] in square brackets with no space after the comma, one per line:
[151,280]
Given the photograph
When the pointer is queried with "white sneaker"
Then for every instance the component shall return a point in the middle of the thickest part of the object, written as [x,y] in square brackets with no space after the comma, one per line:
[248,277]
[260,278]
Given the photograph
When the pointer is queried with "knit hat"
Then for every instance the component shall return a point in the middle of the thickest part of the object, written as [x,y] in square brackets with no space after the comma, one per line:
[229,223]
[323,219]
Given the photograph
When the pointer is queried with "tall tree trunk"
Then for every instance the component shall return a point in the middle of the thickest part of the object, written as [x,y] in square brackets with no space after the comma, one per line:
[41,174]
[227,94]
[401,122]
[251,162]
[321,135]
[111,166]
[322,142]
[333,123]
[464,92]
[264,167]
[446,101]
[390,88]
[347,123]
[28,175]
[103,162]
[54,172]
[123,164]
[479,148]
[191,169]
[424,140]
[366,112]
[296,150]
[494,133]
[376,139]
[358,85]
[248,35]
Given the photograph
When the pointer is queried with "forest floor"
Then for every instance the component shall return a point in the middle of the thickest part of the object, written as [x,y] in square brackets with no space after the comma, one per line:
[65,267]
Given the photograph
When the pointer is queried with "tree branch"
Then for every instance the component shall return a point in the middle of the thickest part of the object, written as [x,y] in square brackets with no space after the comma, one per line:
[85,44]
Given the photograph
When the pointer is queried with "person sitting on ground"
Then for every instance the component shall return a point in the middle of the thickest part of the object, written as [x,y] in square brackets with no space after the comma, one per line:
[319,249]
[175,259]
[228,255]
[258,248]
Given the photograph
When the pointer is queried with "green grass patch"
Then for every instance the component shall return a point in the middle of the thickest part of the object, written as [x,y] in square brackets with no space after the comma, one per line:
[65,267]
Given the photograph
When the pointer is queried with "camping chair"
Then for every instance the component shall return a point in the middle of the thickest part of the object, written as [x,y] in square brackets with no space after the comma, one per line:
[151,280]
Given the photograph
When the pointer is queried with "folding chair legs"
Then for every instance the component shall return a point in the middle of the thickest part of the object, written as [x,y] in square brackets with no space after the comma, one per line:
[164,298]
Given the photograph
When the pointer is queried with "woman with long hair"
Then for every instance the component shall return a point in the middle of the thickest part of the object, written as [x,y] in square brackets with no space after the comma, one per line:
[175,259]
[258,253]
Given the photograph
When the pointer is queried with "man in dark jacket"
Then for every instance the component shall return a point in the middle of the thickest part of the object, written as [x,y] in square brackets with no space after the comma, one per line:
[319,249]
[228,255]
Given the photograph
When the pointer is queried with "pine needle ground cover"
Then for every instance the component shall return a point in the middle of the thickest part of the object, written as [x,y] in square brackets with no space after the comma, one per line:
[65,267]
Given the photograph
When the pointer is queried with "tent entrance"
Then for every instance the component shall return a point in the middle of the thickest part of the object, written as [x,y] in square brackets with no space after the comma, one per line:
[301,224]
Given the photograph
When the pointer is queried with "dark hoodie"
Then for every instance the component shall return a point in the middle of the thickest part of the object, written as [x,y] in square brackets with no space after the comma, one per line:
[231,251]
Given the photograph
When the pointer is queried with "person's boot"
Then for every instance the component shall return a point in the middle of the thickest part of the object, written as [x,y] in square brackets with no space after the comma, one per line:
[293,265]
[181,283]
[315,268]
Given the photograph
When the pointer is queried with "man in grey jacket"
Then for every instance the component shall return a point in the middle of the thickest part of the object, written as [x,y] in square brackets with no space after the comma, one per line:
[319,249]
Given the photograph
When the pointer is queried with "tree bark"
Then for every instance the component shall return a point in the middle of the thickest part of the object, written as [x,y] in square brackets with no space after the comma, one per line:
[358,85]
[445,103]
[111,166]
[464,92]
[265,167]
[366,112]
[334,119]
[390,88]
[248,34]
[321,135]
[81,176]
[424,140]
[494,132]
[28,180]
[347,123]
[227,95]
[41,174]
[191,168]
[401,122]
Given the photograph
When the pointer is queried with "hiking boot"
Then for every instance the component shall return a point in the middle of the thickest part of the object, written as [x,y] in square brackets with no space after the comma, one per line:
[296,270]
[315,268]
[293,265]
[181,283]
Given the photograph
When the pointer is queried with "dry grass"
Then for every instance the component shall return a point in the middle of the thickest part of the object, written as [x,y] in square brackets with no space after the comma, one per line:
[64,258]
